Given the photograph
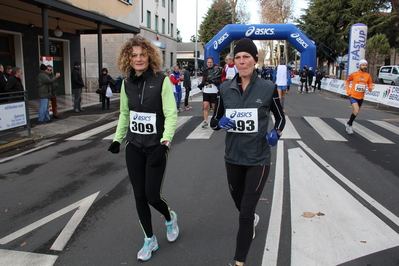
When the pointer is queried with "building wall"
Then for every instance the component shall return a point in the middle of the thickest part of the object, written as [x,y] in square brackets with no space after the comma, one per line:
[119,10]
[112,42]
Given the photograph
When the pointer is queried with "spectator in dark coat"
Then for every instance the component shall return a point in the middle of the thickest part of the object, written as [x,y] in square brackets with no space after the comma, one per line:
[187,85]
[77,85]
[8,72]
[104,81]
[3,82]
[14,84]
[54,87]
[319,77]
[310,78]
[303,77]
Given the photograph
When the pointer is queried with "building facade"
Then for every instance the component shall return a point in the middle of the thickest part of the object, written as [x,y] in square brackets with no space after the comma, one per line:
[36,31]
[157,20]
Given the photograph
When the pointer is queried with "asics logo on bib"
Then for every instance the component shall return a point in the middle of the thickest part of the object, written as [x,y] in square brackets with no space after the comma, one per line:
[240,114]
[141,118]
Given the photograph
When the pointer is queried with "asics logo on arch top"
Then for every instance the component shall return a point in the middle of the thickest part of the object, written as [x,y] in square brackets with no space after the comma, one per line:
[259,31]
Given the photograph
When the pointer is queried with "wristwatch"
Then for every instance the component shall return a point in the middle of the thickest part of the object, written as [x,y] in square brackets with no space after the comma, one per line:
[166,143]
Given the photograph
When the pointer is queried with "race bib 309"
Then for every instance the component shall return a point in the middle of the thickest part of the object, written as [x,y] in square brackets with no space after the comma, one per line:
[143,123]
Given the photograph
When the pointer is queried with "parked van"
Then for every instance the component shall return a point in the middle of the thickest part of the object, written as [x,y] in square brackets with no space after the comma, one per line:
[389,75]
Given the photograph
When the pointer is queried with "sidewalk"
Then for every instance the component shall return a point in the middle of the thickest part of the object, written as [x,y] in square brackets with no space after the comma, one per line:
[68,121]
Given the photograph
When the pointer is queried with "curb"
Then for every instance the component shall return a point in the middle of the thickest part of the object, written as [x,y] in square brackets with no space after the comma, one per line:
[16,144]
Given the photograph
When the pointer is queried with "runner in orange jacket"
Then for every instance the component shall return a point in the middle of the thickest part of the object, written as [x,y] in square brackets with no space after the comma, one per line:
[361,81]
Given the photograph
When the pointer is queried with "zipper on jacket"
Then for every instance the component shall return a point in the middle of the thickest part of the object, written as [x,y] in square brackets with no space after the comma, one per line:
[142,93]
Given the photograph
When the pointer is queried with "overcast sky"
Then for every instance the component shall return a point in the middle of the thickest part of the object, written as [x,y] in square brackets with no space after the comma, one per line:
[186,14]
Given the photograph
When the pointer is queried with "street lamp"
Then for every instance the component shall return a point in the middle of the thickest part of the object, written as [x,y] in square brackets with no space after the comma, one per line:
[196,40]
[58,32]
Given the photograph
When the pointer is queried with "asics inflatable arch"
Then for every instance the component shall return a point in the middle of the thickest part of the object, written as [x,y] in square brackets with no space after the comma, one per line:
[287,32]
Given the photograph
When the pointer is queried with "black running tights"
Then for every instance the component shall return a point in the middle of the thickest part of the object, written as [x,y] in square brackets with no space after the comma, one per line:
[246,184]
[147,184]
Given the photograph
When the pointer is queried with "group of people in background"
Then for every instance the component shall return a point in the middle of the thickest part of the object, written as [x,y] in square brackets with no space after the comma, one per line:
[10,84]
[306,79]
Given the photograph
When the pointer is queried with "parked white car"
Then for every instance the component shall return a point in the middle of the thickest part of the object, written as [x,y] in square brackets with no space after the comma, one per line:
[389,75]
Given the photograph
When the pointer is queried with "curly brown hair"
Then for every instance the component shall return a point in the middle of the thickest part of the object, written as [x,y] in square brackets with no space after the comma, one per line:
[123,60]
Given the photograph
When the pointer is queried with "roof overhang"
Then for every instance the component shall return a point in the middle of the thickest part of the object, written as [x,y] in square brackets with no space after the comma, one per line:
[72,19]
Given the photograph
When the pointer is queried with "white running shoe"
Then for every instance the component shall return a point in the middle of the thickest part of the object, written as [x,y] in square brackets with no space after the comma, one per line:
[349,128]
[256,221]
[172,229]
[150,245]
[204,124]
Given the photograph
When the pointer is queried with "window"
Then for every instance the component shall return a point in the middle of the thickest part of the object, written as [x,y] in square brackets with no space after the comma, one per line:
[163,58]
[386,70]
[171,59]
[163,26]
[395,70]
[171,30]
[163,3]
[156,23]
[171,6]
[148,19]
[129,2]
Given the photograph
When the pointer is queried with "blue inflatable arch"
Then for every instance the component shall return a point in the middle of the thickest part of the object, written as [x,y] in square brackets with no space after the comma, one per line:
[287,32]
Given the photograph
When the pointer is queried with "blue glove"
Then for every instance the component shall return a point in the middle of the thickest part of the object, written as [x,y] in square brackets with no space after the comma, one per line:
[272,138]
[226,123]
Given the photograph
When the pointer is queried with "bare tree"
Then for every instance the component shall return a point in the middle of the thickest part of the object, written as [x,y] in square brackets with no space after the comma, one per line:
[276,12]
[238,13]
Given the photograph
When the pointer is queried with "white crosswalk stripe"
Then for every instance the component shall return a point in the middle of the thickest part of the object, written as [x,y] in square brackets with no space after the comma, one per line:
[325,131]
[366,133]
[386,125]
[180,121]
[94,131]
[201,133]
[290,131]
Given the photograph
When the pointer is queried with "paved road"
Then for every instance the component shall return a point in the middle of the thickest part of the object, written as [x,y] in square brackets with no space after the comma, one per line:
[74,204]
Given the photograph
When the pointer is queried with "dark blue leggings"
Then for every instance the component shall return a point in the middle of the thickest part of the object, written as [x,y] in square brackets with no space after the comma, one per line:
[147,184]
[246,184]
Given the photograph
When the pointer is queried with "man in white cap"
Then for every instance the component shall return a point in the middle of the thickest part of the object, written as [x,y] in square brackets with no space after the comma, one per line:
[361,81]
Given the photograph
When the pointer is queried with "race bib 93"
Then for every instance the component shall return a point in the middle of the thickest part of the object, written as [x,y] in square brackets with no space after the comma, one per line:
[246,119]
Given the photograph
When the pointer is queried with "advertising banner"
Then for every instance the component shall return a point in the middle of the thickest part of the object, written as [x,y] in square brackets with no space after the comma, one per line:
[12,115]
[357,47]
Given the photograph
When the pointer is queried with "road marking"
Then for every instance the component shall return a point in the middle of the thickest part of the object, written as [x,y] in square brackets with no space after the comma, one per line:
[346,232]
[289,131]
[20,258]
[201,133]
[352,186]
[93,131]
[110,137]
[25,152]
[270,254]
[366,133]
[386,125]
[59,244]
[325,131]
[181,120]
